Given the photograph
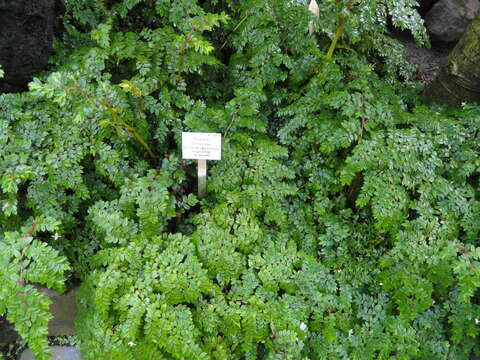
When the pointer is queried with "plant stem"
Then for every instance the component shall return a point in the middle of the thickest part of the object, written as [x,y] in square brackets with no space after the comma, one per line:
[116,118]
[235,29]
[130,129]
[340,29]
[338,33]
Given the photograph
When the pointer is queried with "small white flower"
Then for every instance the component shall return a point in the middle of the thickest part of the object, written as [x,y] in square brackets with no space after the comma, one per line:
[56,236]
[350,333]
[131,343]
[477,321]
[303,326]
[381,284]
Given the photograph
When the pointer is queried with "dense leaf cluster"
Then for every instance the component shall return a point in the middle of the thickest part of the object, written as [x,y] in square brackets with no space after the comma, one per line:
[341,223]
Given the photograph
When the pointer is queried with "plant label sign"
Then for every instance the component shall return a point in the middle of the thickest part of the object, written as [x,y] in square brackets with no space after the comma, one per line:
[202,147]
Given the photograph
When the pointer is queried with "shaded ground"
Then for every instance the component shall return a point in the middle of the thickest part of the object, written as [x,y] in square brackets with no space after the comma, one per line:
[427,61]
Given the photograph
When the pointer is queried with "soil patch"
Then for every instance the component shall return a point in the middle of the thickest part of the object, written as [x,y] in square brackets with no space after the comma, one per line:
[426,60]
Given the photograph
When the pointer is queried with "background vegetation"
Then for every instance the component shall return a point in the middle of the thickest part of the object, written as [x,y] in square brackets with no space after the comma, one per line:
[342,222]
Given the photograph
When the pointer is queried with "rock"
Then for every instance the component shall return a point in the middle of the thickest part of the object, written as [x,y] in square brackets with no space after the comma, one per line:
[7,333]
[26,36]
[64,311]
[58,353]
[448,19]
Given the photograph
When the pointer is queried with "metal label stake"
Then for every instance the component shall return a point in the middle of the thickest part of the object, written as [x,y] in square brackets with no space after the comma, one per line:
[202,178]
[202,147]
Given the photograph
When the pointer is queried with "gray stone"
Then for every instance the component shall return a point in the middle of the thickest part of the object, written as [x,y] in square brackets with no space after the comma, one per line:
[26,36]
[64,311]
[7,333]
[448,19]
[58,353]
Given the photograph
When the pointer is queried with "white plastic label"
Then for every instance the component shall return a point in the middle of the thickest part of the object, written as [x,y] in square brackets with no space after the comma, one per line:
[201,146]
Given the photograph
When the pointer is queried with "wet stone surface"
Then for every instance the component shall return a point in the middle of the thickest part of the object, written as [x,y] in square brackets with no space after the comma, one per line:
[64,311]
[58,353]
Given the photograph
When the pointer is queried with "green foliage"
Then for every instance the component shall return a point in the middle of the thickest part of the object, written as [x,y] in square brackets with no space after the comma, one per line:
[341,223]
[25,261]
